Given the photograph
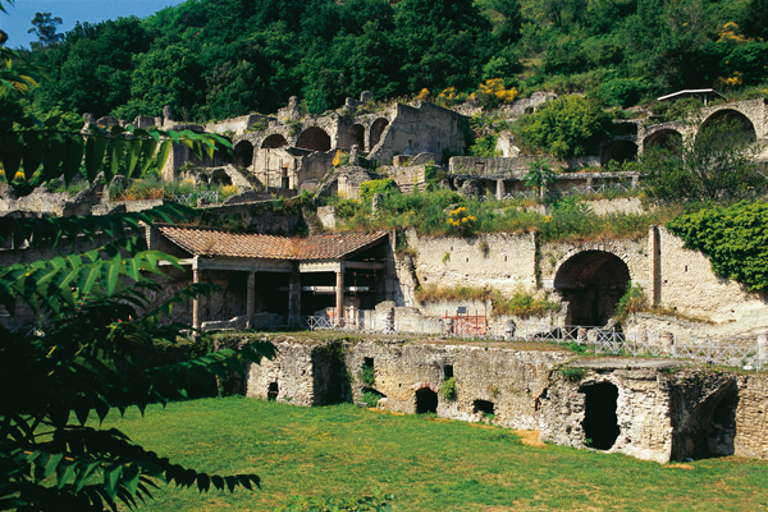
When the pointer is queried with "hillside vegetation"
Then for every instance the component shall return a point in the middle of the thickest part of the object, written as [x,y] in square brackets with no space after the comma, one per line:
[212,59]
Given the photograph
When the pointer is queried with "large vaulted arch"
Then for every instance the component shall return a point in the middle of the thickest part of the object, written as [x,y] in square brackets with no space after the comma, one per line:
[315,139]
[592,282]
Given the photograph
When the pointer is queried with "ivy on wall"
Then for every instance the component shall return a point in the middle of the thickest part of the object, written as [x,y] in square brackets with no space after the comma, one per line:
[735,238]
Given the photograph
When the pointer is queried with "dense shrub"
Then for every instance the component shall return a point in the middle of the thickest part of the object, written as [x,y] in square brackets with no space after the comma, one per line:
[735,238]
[566,127]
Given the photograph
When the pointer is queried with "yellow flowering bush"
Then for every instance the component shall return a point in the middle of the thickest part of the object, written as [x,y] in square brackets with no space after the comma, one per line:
[228,190]
[460,221]
[450,97]
[423,95]
[493,93]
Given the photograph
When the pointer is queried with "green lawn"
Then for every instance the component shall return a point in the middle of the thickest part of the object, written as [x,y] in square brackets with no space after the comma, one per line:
[429,464]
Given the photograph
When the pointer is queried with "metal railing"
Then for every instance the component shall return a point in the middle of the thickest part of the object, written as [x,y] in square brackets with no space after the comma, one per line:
[190,199]
[735,352]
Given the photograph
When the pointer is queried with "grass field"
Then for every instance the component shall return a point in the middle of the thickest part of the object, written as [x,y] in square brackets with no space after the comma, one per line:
[429,464]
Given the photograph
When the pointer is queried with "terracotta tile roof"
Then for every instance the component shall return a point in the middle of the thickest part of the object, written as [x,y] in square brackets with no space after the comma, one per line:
[208,242]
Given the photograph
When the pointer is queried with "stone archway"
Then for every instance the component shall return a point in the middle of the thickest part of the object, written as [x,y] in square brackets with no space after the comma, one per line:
[731,119]
[377,130]
[619,151]
[357,136]
[592,282]
[274,141]
[314,138]
[426,401]
[242,154]
[667,140]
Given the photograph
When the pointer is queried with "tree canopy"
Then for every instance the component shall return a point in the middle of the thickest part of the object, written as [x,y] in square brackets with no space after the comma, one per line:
[251,55]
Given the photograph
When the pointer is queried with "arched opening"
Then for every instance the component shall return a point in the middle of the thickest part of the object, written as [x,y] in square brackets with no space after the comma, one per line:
[668,141]
[315,139]
[592,282]
[619,151]
[242,154]
[426,401]
[220,177]
[274,141]
[357,135]
[601,427]
[733,122]
[484,407]
[377,129]
[272,392]
[710,428]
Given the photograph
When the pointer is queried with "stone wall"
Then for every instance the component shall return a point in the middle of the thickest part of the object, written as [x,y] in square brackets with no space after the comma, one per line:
[423,128]
[649,409]
[509,379]
[751,439]
[290,375]
[688,285]
[505,262]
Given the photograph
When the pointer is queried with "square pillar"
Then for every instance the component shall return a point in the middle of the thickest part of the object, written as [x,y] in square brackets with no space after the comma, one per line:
[340,296]
[294,296]
[196,323]
[250,305]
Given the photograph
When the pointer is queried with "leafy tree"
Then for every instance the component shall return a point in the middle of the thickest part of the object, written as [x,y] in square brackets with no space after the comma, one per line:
[717,163]
[45,29]
[566,127]
[164,76]
[755,22]
[539,176]
[94,325]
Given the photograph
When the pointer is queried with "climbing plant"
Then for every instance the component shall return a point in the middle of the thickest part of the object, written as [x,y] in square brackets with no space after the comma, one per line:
[735,238]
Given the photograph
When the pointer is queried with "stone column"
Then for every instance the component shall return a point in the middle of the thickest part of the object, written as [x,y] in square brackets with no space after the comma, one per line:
[196,301]
[294,296]
[500,189]
[654,264]
[340,296]
[762,350]
[250,306]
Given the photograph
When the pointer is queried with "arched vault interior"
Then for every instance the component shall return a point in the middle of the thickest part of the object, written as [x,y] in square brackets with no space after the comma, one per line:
[592,282]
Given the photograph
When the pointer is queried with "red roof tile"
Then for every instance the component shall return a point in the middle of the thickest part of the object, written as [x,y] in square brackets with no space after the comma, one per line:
[208,242]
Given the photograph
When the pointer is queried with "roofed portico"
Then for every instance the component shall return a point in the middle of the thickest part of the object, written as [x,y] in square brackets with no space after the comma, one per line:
[288,275]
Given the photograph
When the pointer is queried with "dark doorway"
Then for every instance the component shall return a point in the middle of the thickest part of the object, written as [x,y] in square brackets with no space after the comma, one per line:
[710,428]
[620,151]
[330,375]
[485,407]
[377,129]
[426,401]
[272,392]
[592,282]
[357,136]
[600,423]
[242,155]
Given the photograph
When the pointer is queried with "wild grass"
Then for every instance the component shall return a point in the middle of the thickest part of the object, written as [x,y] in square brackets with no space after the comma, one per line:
[428,463]
[521,303]
[429,213]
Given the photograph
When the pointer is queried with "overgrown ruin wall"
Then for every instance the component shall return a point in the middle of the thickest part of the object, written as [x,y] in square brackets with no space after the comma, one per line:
[650,409]
[677,278]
